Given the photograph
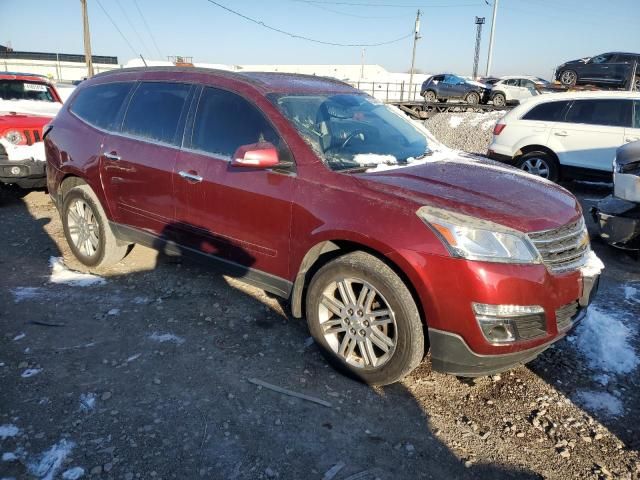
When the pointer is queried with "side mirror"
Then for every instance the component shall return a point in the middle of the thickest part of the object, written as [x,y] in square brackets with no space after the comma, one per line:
[256,155]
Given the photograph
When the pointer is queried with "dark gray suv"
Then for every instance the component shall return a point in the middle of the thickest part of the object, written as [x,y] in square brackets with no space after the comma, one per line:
[452,87]
[607,69]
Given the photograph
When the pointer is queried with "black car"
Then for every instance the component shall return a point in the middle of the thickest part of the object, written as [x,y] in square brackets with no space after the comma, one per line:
[607,69]
[449,87]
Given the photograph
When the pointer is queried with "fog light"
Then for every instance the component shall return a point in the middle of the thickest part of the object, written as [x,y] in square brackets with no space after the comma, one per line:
[508,323]
[15,170]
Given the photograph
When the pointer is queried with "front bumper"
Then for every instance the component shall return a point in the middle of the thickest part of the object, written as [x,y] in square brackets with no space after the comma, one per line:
[618,221]
[447,287]
[31,174]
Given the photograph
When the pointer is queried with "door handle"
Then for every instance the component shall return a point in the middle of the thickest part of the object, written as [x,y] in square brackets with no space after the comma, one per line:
[111,156]
[631,139]
[190,176]
[561,134]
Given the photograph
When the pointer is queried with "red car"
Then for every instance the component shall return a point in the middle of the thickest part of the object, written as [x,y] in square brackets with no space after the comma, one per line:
[27,103]
[312,190]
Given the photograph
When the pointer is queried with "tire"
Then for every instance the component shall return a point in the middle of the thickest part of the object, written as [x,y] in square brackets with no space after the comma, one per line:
[636,84]
[499,100]
[568,78]
[430,96]
[472,98]
[541,164]
[82,214]
[390,350]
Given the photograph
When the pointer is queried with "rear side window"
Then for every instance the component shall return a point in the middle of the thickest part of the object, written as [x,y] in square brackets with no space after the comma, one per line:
[225,121]
[154,111]
[611,113]
[549,112]
[99,105]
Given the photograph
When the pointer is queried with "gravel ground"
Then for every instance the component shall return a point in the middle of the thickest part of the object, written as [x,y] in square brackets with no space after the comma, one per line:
[145,374]
[470,132]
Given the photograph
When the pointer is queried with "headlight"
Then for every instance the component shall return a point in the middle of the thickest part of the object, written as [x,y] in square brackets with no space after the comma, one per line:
[15,137]
[475,239]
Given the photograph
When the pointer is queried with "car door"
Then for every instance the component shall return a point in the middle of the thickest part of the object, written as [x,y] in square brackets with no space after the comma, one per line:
[526,89]
[592,131]
[598,69]
[239,215]
[509,88]
[138,161]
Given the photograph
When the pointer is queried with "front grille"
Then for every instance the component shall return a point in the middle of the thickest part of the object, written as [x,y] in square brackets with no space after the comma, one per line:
[566,314]
[563,249]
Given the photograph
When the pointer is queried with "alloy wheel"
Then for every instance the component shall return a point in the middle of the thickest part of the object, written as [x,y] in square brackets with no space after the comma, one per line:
[536,166]
[568,77]
[357,323]
[84,229]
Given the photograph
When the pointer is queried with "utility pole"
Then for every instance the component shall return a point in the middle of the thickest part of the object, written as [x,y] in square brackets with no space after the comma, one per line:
[87,39]
[416,37]
[493,30]
[476,57]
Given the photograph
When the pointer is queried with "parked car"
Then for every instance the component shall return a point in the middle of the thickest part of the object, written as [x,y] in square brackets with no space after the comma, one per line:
[452,87]
[567,135]
[27,103]
[316,192]
[618,215]
[515,89]
[607,69]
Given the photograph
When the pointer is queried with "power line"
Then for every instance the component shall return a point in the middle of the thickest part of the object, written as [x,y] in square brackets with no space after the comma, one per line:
[308,39]
[118,29]
[144,45]
[153,39]
[327,9]
[394,5]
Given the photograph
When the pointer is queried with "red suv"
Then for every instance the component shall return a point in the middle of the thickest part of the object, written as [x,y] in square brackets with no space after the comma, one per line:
[314,191]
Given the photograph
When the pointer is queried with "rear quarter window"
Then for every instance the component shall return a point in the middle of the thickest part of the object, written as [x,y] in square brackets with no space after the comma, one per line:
[99,105]
[549,111]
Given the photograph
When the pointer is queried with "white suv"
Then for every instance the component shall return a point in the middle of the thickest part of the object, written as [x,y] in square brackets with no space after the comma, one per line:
[516,89]
[567,134]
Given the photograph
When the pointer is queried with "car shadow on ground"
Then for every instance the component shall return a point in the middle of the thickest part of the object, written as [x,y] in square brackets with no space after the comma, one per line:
[147,374]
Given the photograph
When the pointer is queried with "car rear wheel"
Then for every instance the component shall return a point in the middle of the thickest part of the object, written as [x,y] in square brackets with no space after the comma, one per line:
[541,164]
[568,78]
[87,229]
[473,98]
[364,319]
[499,100]
[430,96]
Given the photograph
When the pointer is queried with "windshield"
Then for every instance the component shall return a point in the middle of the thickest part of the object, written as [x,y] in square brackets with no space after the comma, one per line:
[353,130]
[22,90]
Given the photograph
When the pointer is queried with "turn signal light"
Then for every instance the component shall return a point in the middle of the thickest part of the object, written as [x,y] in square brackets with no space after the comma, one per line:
[498,128]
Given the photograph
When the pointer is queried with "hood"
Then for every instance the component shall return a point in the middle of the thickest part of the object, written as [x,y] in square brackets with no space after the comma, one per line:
[478,84]
[30,107]
[480,188]
[11,121]
[580,61]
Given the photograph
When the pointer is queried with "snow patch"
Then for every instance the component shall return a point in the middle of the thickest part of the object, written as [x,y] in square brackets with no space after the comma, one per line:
[133,357]
[602,402]
[19,337]
[24,152]
[60,273]
[30,372]
[604,339]
[20,294]
[166,337]
[454,122]
[8,430]
[593,266]
[30,107]
[374,159]
[73,473]
[9,457]
[50,461]
[631,294]
[87,402]
[114,312]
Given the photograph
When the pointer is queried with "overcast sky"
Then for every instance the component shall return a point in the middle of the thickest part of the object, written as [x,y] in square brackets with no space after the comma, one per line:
[532,36]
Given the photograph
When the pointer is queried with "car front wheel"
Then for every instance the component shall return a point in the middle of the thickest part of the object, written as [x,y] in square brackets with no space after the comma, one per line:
[364,319]
[568,78]
[499,100]
[473,98]
[430,96]
[87,229]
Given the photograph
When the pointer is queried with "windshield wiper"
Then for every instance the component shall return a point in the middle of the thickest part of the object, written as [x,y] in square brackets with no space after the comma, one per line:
[361,168]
